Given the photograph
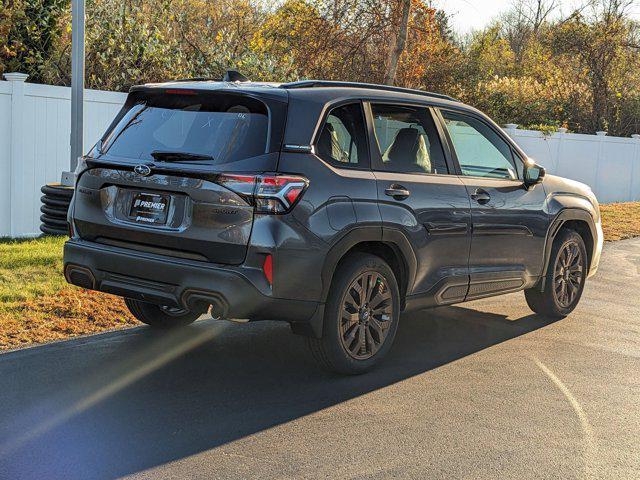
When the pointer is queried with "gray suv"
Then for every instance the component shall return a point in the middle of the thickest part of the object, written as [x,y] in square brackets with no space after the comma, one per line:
[332,206]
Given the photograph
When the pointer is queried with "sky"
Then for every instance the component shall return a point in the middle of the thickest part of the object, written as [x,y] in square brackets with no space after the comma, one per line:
[468,15]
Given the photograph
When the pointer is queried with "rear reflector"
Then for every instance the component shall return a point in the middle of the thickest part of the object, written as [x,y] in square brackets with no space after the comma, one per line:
[268,193]
[267,268]
[293,193]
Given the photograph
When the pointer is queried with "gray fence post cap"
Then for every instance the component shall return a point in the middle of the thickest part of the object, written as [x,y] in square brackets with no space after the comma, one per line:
[15,77]
[562,130]
[601,133]
[635,135]
[511,126]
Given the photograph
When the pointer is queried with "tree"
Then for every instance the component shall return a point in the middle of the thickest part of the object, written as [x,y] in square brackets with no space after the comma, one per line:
[531,66]
[431,60]
[523,22]
[28,31]
[400,41]
[604,45]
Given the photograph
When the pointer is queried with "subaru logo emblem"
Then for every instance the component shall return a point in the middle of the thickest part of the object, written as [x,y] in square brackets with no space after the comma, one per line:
[142,170]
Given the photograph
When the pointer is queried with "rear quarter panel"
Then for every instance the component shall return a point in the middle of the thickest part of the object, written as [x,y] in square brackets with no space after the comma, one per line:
[337,202]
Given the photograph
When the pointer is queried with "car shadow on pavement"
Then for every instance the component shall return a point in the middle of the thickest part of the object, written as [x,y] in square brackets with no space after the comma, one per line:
[119,403]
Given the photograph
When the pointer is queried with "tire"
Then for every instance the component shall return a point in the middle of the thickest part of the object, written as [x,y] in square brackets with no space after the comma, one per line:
[160,317]
[556,301]
[368,321]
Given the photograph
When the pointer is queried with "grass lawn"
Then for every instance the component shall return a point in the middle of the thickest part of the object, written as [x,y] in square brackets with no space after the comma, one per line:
[38,306]
[36,303]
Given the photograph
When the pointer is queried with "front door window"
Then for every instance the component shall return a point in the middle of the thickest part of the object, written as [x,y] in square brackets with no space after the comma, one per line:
[480,150]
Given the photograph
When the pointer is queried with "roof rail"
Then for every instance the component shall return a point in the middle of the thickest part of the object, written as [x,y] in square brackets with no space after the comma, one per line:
[373,86]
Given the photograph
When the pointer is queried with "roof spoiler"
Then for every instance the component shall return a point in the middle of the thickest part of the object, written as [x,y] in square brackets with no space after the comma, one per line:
[234,76]
[229,76]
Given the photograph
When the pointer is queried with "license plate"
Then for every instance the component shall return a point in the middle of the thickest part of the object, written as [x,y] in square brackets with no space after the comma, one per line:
[149,208]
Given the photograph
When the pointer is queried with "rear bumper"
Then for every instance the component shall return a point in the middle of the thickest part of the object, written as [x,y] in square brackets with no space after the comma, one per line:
[232,292]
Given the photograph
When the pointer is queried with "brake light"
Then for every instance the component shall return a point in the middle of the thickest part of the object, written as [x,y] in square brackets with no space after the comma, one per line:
[269,193]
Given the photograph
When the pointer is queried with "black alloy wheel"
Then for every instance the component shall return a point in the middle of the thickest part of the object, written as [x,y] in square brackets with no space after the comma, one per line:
[560,289]
[361,315]
[568,273]
[367,311]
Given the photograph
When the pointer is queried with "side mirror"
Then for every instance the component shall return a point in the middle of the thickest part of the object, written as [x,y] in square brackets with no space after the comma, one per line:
[533,173]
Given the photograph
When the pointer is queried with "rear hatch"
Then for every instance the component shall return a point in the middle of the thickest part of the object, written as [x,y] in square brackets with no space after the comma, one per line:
[176,170]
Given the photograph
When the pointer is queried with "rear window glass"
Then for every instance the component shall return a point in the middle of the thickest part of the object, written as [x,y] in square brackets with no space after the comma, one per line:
[226,127]
[342,140]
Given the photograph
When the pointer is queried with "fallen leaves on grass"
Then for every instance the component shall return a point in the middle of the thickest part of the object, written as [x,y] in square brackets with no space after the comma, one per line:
[620,220]
[70,312]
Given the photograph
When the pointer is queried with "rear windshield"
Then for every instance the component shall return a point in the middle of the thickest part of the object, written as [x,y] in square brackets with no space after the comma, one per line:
[225,127]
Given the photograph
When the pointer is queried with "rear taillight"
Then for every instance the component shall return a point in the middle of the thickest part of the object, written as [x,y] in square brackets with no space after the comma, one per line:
[268,193]
[244,185]
[278,193]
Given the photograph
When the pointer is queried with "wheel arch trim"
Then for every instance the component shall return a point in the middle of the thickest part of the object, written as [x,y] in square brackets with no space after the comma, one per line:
[565,215]
[391,237]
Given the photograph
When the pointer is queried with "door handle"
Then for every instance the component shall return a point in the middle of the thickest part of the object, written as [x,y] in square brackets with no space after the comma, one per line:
[481,196]
[398,192]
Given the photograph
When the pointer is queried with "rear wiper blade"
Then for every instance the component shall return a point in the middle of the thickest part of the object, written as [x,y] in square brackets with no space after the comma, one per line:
[166,156]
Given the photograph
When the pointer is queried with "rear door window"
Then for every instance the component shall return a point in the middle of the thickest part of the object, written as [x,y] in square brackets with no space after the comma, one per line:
[408,140]
[226,128]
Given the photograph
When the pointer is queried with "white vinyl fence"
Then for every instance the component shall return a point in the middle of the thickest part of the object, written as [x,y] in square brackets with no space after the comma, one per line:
[609,165]
[35,124]
[34,150]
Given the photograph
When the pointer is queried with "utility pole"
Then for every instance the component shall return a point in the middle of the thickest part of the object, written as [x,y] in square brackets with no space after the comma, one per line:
[77,88]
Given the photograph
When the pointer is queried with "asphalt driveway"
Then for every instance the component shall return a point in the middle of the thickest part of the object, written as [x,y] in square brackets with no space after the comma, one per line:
[483,390]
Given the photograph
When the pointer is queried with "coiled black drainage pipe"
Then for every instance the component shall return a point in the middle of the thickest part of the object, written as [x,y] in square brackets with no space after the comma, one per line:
[54,208]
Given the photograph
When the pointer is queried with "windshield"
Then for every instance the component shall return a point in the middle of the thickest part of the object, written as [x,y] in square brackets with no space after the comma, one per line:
[216,128]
